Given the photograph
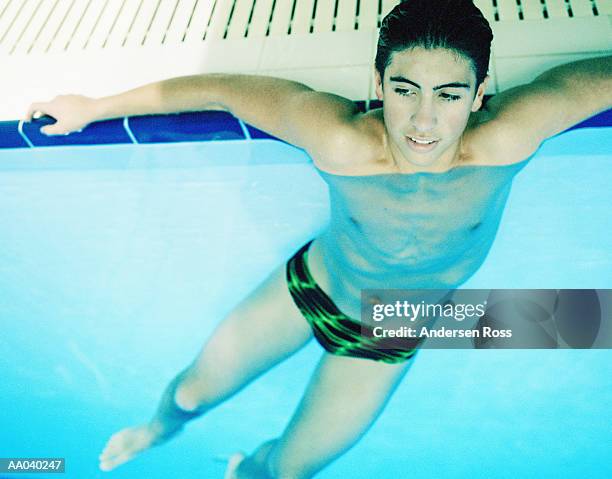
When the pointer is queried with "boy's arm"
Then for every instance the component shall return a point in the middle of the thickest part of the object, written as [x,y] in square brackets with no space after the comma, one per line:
[521,118]
[288,110]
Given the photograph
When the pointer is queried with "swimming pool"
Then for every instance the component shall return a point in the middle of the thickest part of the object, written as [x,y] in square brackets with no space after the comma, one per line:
[117,261]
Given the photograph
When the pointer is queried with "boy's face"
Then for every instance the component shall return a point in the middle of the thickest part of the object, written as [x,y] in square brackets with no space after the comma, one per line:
[428,96]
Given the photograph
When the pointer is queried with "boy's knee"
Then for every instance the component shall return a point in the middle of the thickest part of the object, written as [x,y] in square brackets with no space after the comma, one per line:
[187,395]
[186,400]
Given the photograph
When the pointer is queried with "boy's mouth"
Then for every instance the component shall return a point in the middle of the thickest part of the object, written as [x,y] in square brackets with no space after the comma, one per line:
[421,144]
[422,141]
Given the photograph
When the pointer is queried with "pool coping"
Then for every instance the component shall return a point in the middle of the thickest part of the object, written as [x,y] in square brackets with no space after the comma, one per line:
[199,126]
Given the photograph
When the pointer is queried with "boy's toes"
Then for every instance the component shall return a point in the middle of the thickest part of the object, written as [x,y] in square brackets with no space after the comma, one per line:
[107,465]
[114,445]
[113,462]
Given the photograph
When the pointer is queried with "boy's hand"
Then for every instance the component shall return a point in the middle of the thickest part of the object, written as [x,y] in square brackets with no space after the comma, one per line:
[71,112]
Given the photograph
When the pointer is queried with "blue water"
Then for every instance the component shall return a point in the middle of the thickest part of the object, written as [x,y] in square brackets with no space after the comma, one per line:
[116,263]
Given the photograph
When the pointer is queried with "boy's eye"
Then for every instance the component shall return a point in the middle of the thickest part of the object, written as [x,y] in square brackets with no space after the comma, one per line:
[404,92]
[449,97]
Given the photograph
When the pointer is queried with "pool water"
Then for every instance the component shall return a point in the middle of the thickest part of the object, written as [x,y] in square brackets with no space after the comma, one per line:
[116,262]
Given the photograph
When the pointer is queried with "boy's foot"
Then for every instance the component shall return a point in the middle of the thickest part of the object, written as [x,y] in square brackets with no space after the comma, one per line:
[232,465]
[124,445]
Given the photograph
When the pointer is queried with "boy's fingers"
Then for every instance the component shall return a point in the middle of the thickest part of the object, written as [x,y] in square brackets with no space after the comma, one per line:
[34,108]
[53,129]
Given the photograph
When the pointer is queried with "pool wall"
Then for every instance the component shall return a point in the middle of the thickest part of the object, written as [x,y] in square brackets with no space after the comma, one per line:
[179,127]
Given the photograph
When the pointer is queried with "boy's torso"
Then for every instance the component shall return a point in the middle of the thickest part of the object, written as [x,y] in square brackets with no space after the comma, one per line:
[418,230]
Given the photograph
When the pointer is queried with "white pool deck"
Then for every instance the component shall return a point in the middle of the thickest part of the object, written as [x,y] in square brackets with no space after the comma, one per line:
[100,47]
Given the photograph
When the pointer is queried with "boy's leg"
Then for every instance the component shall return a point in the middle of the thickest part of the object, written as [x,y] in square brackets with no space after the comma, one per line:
[261,331]
[264,329]
[343,399]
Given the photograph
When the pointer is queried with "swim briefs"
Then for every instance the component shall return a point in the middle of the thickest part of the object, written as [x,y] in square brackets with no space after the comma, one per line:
[336,332]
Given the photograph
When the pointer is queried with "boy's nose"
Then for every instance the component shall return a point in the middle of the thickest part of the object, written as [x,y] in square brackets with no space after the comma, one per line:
[423,119]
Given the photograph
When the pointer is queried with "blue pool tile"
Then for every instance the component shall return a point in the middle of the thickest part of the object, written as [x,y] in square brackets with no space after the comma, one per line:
[9,135]
[99,133]
[374,104]
[190,126]
[257,134]
[603,119]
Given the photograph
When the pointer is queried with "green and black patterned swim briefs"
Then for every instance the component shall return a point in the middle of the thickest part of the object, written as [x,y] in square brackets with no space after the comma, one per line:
[335,331]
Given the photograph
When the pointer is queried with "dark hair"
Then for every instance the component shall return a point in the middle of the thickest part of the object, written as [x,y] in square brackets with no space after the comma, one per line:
[456,25]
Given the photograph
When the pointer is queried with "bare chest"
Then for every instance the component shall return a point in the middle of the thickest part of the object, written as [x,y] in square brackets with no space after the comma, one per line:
[421,216]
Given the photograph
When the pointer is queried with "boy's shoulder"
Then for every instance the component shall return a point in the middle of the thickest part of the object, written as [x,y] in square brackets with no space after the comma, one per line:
[488,141]
[357,147]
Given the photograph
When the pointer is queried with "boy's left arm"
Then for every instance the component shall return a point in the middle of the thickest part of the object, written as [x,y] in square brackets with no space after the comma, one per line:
[521,118]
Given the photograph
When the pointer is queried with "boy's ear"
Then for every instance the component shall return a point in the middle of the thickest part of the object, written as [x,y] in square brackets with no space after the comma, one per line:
[378,84]
[477,104]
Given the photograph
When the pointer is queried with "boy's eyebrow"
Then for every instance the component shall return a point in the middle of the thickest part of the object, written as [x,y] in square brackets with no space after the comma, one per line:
[439,87]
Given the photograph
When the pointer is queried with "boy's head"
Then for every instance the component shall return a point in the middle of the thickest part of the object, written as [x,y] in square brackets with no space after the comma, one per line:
[431,69]
[455,25]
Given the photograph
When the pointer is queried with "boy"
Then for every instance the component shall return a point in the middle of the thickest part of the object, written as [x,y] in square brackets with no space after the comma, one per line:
[417,190]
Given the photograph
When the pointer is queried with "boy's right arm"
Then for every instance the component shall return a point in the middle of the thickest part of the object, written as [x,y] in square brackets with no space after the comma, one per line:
[318,122]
